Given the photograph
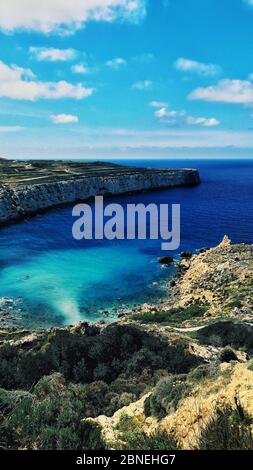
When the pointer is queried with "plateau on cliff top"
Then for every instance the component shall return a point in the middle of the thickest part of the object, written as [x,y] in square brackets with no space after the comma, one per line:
[15,172]
[28,187]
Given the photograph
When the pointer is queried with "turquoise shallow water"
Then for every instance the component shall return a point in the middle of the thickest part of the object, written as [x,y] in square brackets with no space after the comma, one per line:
[58,280]
[76,284]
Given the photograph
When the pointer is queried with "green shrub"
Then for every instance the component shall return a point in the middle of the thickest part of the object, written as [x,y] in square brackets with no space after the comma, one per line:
[124,351]
[204,371]
[248,282]
[227,333]
[50,418]
[81,358]
[119,401]
[150,317]
[250,365]
[228,430]
[175,315]
[132,437]
[167,395]
[79,376]
[180,360]
[228,355]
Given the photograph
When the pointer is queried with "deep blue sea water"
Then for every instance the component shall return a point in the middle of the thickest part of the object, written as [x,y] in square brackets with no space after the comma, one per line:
[59,280]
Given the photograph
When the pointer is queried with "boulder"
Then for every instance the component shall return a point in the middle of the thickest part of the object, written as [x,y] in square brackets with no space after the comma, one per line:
[203,250]
[166,260]
[186,254]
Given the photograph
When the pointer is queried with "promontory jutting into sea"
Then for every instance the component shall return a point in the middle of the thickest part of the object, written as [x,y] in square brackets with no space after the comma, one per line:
[26,188]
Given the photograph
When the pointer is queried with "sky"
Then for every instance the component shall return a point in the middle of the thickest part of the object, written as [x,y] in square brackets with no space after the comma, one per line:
[126,78]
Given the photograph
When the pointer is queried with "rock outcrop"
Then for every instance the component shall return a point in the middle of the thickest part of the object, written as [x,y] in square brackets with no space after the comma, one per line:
[220,278]
[233,384]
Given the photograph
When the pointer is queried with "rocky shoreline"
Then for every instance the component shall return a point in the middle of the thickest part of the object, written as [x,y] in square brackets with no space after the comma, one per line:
[219,280]
[66,183]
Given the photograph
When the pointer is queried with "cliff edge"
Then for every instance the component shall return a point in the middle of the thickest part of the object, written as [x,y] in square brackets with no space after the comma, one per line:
[27,188]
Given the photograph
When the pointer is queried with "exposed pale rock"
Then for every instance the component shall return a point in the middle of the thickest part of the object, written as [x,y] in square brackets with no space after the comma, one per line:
[194,413]
[221,278]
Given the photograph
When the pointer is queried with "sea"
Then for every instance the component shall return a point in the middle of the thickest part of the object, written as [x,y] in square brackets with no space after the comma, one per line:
[55,280]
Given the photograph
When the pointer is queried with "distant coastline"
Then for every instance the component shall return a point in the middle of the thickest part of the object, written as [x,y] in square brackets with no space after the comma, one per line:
[52,184]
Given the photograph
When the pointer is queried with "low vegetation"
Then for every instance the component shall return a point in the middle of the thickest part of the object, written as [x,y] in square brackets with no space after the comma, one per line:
[167,395]
[124,351]
[229,429]
[173,316]
[130,436]
[227,333]
[50,417]
[67,376]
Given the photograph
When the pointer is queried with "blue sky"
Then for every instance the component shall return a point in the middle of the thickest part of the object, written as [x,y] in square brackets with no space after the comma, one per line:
[126,78]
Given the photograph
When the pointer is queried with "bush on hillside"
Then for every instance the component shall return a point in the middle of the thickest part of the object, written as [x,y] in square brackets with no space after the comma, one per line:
[132,437]
[50,418]
[228,333]
[174,315]
[204,371]
[167,395]
[228,355]
[120,350]
[229,429]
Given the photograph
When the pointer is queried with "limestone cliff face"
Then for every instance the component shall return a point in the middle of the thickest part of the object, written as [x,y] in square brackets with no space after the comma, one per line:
[17,202]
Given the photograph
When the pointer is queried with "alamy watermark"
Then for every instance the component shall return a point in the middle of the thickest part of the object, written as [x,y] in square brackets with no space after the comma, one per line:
[135,221]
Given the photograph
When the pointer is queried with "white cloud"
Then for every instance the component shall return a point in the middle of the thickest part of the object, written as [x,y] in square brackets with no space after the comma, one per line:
[226,91]
[116,63]
[64,118]
[63,16]
[192,66]
[159,104]
[53,55]
[171,117]
[164,113]
[145,85]
[80,69]
[11,129]
[21,84]
[181,118]
[206,122]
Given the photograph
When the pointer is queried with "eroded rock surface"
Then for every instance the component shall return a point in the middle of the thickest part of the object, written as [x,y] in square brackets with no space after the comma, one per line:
[221,278]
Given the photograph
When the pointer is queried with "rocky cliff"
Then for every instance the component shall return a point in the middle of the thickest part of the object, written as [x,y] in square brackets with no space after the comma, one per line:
[213,283]
[196,421]
[24,197]
[220,278]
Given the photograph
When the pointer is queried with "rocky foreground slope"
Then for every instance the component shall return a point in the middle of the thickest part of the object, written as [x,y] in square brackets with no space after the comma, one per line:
[27,188]
[149,381]
[220,278]
[214,283]
[211,406]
